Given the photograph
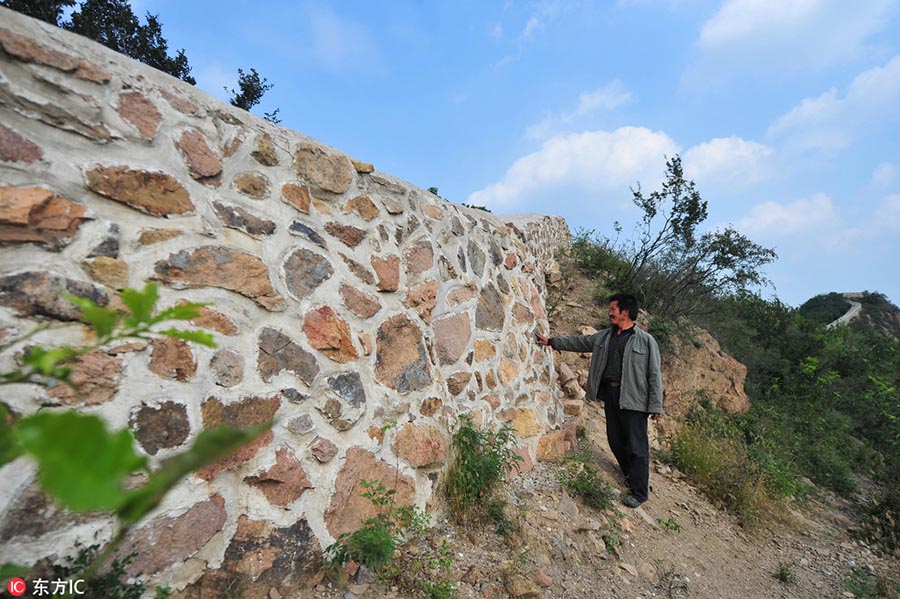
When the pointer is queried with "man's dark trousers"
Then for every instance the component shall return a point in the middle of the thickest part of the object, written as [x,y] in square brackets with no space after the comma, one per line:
[626,431]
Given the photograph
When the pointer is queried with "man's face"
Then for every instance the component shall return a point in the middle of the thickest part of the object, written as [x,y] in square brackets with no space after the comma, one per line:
[617,317]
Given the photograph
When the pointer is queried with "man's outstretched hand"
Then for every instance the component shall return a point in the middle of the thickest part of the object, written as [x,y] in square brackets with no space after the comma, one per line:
[540,339]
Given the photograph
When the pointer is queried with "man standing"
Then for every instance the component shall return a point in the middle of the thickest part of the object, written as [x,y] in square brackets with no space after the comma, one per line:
[625,374]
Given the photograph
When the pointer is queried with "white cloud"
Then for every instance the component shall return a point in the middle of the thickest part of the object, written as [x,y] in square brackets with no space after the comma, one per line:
[884,176]
[608,97]
[530,27]
[772,220]
[729,160]
[778,36]
[588,163]
[497,32]
[829,121]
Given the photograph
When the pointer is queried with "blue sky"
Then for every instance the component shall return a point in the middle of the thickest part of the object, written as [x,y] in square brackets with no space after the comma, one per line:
[785,113]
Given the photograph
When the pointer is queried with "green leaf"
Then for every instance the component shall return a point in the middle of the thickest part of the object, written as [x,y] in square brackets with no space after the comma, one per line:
[46,361]
[210,446]
[179,312]
[140,303]
[201,337]
[10,448]
[102,320]
[81,464]
[8,571]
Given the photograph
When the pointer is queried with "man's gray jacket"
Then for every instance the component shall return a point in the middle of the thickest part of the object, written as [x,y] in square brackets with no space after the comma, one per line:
[641,388]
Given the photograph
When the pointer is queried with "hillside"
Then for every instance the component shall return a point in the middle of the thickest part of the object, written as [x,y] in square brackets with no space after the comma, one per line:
[877,312]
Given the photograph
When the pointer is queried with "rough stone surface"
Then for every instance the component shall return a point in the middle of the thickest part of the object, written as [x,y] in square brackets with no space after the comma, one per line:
[421,445]
[304,271]
[363,168]
[524,420]
[40,293]
[96,375]
[348,235]
[277,352]
[330,334]
[210,319]
[182,105]
[431,405]
[507,371]
[212,266]
[261,557]
[155,193]
[161,427]
[138,110]
[151,236]
[419,257]
[462,294]
[457,383]
[323,450]
[28,50]
[349,387]
[297,196]
[363,207]
[490,314]
[361,272]
[302,425]
[422,299]
[108,271]
[248,412]
[201,161]
[522,313]
[433,212]
[37,214]
[254,185]
[392,206]
[401,361]
[554,446]
[359,302]
[109,244]
[476,257]
[485,349]
[451,337]
[265,153]
[172,358]
[16,148]
[236,217]
[329,172]
[227,367]
[387,271]
[302,230]
[167,541]
[284,482]
[348,508]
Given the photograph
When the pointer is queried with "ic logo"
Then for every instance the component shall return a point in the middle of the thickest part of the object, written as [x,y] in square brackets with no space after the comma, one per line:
[16,587]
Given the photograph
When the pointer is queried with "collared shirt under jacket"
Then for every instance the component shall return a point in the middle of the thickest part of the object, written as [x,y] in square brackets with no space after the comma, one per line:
[641,388]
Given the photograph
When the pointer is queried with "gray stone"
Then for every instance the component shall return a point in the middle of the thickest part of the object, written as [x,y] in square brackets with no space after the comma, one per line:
[236,217]
[227,367]
[304,271]
[490,314]
[277,352]
[302,425]
[109,245]
[477,259]
[349,387]
[40,293]
[401,361]
[322,449]
[301,230]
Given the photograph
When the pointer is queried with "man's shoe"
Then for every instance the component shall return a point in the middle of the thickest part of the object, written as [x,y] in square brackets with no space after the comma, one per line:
[631,501]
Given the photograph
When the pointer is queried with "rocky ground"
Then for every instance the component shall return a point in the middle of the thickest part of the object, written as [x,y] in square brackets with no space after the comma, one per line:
[675,545]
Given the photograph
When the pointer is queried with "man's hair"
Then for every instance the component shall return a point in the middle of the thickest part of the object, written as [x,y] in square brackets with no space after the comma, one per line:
[627,302]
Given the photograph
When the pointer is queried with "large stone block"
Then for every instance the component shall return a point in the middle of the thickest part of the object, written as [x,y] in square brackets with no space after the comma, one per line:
[304,271]
[200,159]
[330,334]
[245,413]
[277,352]
[41,293]
[284,482]
[348,508]
[215,266]
[329,172]
[35,214]
[138,110]
[155,193]
[162,427]
[451,337]
[96,375]
[401,361]
[17,148]
[421,445]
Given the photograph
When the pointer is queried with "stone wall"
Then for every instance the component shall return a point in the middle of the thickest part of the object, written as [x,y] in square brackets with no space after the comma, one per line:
[342,300]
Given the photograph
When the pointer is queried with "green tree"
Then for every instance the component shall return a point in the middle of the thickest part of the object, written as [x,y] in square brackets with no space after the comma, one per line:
[114,24]
[251,88]
[45,10]
[673,267]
